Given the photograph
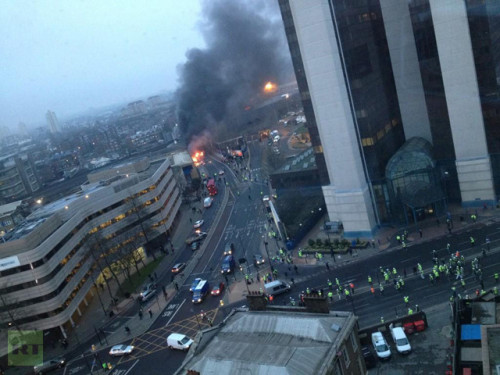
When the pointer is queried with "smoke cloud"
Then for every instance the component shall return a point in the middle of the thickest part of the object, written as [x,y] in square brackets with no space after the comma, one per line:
[245,48]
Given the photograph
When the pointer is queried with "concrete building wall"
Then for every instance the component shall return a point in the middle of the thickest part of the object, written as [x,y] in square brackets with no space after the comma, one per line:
[347,197]
[404,60]
[462,97]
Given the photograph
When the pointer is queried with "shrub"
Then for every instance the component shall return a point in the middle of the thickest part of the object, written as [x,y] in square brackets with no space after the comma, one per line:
[336,242]
[327,243]
[311,242]
[319,242]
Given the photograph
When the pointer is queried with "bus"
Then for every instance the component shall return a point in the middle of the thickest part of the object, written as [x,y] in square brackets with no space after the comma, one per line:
[212,189]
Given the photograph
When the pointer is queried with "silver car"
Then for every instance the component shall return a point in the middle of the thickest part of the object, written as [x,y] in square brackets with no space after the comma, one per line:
[49,365]
[119,350]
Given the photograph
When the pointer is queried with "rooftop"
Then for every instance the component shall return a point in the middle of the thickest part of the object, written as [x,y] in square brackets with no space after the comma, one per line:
[267,342]
[77,199]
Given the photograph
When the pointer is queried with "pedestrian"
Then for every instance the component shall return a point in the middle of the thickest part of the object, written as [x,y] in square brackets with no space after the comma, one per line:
[381,288]
[296,269]
[327,266]
[156,276]
[140,313]
[420,232]
[496,277]
[373,243]
[191,220]
[351,285]
[176,286]
[404,272]
[292,280]
[372,289]
[150,313]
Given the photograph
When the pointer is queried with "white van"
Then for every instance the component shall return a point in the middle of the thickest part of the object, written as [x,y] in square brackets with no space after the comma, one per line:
[276,287]
[399,337]
[381,348]
[178,341]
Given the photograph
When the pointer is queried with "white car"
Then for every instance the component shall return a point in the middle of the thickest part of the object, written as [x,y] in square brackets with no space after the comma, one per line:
[119,350]
[381,348]
[265,198]
[198,223]
[399,337]
[221,172]
[208,202]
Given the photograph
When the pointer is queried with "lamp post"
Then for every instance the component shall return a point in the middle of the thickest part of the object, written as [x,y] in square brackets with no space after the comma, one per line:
[79,344]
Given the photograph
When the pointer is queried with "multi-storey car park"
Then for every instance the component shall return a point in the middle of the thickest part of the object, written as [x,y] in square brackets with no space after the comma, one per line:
[51,263]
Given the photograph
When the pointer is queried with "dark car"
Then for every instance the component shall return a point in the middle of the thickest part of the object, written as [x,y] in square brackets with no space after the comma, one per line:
[258,260]
[178,267]
[229,248]
[195,245]
[370,359]
[50,365]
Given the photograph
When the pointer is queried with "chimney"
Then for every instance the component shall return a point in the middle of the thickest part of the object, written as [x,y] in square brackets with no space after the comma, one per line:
[316,304]
[256,301]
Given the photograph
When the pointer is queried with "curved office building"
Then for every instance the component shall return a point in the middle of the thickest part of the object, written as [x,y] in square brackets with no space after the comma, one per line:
[50,264]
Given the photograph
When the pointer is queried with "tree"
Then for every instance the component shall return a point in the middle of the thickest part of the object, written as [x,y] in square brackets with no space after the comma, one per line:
[138,213]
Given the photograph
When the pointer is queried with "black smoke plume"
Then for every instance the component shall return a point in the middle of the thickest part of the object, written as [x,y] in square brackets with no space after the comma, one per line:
[245,48]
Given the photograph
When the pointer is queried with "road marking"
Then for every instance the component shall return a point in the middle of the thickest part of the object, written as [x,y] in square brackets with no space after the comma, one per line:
[220,238]
[409,259]
[175,313]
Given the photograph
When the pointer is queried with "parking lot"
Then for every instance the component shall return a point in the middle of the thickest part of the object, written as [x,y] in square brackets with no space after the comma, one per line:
[430,348]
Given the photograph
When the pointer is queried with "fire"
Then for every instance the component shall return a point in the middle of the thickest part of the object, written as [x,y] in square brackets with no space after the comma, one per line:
[198,158]
[270,87]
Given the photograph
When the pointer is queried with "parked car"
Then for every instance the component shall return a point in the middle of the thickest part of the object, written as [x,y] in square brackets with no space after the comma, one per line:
[197,236]
[381,348]
[179,341]
[195,245]
[221,172]
[119,350]
[399,337]
[218,289]
[178,267]
[147,292]
[198,223]
[195,283]
[265,198]
[50,365]
[370,359]
[258,260]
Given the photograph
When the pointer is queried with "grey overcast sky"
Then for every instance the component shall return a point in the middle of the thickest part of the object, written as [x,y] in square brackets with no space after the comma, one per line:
[71,55]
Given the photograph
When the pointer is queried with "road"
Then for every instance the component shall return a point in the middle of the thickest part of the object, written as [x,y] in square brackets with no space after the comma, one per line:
[243,223]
